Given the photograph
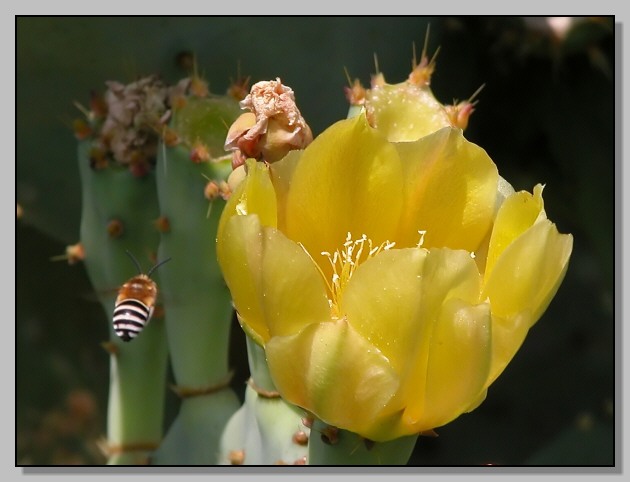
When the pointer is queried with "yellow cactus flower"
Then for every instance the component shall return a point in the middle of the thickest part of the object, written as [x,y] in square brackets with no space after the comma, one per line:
[389,283]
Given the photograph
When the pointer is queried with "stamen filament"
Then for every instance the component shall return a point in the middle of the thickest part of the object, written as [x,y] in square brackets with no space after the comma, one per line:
[344,262]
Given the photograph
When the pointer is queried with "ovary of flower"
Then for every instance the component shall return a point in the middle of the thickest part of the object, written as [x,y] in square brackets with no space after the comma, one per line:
[344,263]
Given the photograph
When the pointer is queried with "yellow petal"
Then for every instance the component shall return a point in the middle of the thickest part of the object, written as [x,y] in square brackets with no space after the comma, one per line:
[450,191]
[517,214]
[420,310]
[239,252]
[383,299]
[240,260]
[508,334]
[276,288]
[293,292]
[529,271]
[521,285]
[332,371]
[281,173]
[458,364]
[448,318]
[348,180]
[254,195]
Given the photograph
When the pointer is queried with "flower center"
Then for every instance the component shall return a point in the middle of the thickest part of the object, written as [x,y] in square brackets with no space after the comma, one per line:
[344,263]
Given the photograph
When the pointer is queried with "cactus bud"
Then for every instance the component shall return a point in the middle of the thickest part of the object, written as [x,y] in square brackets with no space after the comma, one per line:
[276,127]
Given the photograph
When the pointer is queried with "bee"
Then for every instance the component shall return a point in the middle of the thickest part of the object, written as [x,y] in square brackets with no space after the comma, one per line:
[135,302]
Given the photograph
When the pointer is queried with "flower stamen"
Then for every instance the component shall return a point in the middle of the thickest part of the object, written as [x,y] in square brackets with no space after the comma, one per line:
[421,232]
[346,260]
[344,263]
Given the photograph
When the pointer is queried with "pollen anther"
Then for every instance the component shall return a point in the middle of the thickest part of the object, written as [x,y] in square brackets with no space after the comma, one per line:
[344,262]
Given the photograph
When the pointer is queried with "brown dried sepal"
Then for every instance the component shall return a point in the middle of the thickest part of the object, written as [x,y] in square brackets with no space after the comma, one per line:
[276,127]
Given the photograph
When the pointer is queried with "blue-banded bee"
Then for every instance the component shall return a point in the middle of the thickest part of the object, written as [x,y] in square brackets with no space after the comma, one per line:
[135,302]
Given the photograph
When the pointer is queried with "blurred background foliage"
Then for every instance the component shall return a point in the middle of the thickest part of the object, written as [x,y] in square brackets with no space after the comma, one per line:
[546,114]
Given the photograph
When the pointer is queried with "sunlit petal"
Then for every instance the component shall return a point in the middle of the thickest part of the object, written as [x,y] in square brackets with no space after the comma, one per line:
[523,282]
[517,214]
[276,287]
[317,369]
[383,302]
[450,188]
[529,271]
[293,291]
[241,258]
[458,363]
[254,195]
[347,180]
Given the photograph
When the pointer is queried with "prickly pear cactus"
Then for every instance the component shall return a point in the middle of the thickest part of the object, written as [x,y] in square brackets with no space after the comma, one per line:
[191,172]
[176,173]
[117,154]
[266,429]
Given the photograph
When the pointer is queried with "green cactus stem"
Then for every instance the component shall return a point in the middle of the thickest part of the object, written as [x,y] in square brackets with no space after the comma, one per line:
[197,303]
[331,446]
[116,216]
[117,149]
[266,430]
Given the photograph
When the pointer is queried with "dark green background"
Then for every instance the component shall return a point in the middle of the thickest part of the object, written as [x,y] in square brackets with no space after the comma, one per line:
[546,114]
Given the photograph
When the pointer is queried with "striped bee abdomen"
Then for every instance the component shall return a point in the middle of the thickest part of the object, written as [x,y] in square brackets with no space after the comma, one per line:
[134,304]
[130,317]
